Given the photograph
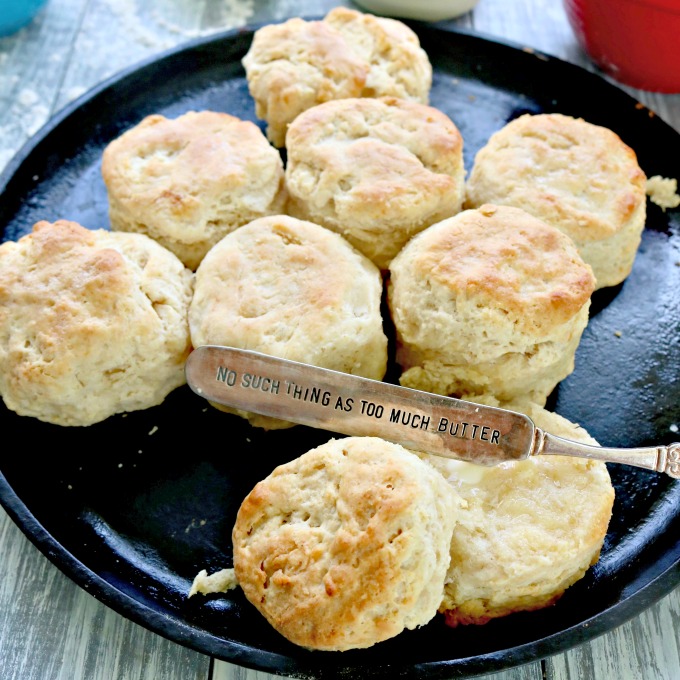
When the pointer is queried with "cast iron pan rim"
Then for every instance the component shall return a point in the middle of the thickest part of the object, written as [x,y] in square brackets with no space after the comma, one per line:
[176,630]
[199,640]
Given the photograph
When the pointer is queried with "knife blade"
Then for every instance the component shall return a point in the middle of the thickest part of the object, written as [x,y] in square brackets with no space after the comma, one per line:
[352,405]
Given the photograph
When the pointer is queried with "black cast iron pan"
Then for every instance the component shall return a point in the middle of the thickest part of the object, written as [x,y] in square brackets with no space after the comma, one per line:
[134,507]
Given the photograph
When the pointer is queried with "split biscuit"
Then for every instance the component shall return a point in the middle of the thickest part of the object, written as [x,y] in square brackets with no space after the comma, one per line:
[298,64]
[579,177]
[490,301]
[528,529]
[376,171]
[347,545]
[92,323]
[187,182]
[295,290]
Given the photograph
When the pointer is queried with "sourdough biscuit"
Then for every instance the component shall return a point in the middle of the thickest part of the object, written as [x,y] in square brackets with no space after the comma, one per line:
[92,323]
[376,171]
[298,64]
[346,545]
[576,176]
[295,290]
[528,529]
[189,181]
[490,301]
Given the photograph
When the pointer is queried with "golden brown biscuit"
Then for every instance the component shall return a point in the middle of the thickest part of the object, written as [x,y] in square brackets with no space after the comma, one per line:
[298,64]
[376,171]
[576,176]
[295,290]
[528,529]
[92,323]
[490,301]
[346,545]
[189,181]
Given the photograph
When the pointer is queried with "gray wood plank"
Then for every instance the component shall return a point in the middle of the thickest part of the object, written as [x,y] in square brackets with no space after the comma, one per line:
[645,647]
[227,671]
[51,629]
[538,24]
[32,66]
[117,34]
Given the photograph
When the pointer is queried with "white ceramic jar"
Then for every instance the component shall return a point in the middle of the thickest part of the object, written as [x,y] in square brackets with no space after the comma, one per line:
[421,10]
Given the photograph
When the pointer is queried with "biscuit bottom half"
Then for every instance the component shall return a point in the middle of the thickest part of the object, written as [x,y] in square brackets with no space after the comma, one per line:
[529,529]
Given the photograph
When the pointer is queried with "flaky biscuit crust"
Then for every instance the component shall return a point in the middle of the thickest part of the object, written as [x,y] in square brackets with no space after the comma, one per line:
[398,66]
[298,64]
[291,289]
[92,323]
[528,529]
[188,181]
[581,178]
[346,545]
[376,171]
[490,301]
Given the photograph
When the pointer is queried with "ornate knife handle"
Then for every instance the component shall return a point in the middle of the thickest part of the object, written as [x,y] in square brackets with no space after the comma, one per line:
[659,458]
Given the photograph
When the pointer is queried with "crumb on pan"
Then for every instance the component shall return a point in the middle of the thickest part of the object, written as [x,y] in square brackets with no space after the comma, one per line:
[219,582]
[663,191]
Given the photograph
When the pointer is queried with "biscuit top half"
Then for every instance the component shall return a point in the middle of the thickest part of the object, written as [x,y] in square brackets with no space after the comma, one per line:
[354,161]
[292,289]
[297,64]
[71,284]
[398,65]
[499,258]
[177,170]
[573,174]
[329,130]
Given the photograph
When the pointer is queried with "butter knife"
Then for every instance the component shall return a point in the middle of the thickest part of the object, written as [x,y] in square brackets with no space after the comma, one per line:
[352,405]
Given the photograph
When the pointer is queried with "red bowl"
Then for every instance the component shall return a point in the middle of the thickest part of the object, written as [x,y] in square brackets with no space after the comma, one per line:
[637,42]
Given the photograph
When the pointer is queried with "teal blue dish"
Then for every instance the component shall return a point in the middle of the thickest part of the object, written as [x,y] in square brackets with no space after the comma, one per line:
[15,14]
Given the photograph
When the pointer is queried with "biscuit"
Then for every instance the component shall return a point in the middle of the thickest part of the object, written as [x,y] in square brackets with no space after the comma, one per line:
[346,545]
[576,176]
[528,529]
[187,182]
[295,290]
[295,65]
[92,323]
[490,301]
[376,171]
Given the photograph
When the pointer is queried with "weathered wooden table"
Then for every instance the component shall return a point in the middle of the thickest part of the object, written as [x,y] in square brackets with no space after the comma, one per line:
[50,629]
